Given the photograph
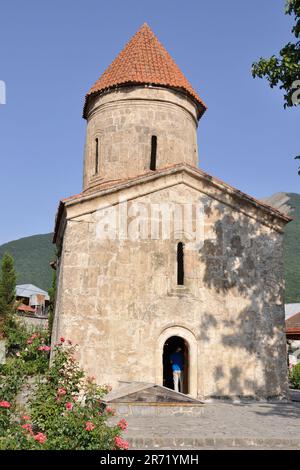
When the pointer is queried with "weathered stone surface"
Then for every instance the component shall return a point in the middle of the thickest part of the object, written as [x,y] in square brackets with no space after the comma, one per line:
[125,120]
[124,300]
[160,409]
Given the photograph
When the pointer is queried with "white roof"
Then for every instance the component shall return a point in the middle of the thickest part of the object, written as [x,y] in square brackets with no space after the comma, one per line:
[27,290]
[291,309]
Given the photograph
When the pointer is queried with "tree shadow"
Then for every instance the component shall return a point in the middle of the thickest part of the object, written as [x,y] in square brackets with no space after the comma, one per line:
[243,262]
[285,410]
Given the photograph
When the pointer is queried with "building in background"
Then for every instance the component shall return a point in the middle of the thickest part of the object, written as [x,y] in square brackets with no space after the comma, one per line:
[292,330]
[291,309]
[33,300]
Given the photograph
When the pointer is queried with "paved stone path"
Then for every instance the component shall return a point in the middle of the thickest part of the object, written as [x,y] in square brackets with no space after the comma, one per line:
[222,425]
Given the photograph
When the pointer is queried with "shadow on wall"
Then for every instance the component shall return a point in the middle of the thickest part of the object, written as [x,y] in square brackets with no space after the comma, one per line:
[246,261]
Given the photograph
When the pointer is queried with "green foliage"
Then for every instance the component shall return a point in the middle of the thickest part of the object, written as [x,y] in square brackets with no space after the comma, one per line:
[5,419]
[8,280]
[32,256]
[7,288]
[28,355]
[16,333]
[7,292]
[64,374]
[66,409]
[294,376]
[11,379]
[35,355]
[64,387]
[292,252]
[15,438]
[284,70]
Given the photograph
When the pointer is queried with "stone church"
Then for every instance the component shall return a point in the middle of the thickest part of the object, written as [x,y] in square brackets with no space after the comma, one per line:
[156,254]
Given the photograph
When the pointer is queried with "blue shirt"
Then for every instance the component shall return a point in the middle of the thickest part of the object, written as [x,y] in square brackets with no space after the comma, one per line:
[177,361]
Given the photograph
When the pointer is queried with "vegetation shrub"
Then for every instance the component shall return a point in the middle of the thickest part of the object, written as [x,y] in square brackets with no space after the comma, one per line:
[66,410]
[294,376]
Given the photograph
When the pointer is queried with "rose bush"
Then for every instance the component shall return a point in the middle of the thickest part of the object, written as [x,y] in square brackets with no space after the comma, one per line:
[66,410]
[28,355]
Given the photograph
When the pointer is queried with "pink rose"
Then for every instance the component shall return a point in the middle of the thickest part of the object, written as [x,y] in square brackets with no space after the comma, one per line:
[4,404]
[110,411]
[120,443]
[44,348]
[89,426]
[40,437]
[69,405]
[61,391]
[28,428]
[122,424]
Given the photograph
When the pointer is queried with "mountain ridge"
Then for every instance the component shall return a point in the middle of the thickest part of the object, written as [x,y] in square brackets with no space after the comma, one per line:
[32,256]
[290,204]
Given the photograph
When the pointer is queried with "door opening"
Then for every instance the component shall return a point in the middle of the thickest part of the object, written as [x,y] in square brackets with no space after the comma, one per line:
[172,345]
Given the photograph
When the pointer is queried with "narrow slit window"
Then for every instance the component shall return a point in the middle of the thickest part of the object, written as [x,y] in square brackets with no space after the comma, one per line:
[180,264]
[97,156]
[153,153]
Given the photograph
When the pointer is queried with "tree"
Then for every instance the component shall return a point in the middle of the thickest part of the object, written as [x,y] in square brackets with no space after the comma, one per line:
[7,287]
[284,70]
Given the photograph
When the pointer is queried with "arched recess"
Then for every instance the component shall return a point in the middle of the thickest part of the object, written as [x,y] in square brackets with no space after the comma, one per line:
[189,337]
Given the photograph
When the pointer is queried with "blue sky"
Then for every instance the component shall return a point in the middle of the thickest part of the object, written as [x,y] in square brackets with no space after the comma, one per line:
[52,52]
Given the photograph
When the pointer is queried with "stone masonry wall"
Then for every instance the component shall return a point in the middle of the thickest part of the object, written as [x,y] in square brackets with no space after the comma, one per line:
[124,121]
[117,297]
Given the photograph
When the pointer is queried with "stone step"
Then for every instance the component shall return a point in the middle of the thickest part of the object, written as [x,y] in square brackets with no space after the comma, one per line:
[198,443]
[149,399]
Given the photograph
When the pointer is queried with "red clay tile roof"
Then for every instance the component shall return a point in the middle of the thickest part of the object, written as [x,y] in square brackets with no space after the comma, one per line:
[293,323]
[25,308]
[144,60]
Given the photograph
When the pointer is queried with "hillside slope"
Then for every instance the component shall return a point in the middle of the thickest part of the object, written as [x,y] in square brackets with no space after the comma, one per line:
[32,256]
[290,203]
[292,251]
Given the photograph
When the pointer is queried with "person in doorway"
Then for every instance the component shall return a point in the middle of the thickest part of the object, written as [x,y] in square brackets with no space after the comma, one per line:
[177,361]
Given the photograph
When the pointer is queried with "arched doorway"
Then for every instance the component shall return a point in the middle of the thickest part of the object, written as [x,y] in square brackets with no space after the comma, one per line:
[170,347]
[192,347]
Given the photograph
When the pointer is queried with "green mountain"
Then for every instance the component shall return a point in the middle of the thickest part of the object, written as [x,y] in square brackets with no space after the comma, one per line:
[32,256]
[290,204]
[292,251]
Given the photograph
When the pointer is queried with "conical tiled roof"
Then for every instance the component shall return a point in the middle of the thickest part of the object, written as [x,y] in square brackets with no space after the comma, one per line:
[144,60]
